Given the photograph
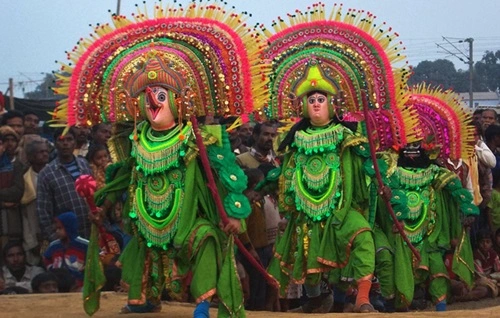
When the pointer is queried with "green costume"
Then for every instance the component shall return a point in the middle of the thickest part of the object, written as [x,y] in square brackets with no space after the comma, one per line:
[173,218]
[150,76]
[430,202]
[326,229]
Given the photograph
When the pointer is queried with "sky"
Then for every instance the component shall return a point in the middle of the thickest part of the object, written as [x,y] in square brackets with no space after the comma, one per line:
[36,33]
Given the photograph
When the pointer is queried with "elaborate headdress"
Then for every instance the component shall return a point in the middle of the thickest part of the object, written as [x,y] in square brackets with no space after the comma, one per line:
[204,54]
[445,122]
[342,55]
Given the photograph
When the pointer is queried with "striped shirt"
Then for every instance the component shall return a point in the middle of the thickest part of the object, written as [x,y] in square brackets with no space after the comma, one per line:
[57,194]
[73,169]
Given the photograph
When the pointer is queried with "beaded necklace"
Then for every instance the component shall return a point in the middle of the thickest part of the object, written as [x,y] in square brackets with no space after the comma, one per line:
[316,180]
[416,179]
[157,228]
[160,176]
[319,139]
[155,154]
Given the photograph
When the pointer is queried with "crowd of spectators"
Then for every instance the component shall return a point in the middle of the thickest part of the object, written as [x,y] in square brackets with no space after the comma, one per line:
[44,223]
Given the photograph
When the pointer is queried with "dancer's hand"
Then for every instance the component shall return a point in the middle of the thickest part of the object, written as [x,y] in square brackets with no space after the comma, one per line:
[385,192]
[233,226]
[96,217]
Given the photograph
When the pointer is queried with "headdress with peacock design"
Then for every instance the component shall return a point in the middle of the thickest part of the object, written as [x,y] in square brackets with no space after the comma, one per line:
[345,55]
[445,121]
[204,54]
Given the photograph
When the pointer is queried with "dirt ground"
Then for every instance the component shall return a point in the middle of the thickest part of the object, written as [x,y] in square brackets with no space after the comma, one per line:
[70,305]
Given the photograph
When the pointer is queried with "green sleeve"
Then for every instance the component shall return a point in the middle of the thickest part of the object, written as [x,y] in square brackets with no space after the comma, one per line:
[231,178]
[118,178]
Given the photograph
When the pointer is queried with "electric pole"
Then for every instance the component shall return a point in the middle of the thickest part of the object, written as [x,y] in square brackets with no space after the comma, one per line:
[471,76]
[11,93]
[470,62]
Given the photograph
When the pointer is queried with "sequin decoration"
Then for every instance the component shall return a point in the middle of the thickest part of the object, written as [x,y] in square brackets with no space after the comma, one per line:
[209,45]
[445,121]
[355,54]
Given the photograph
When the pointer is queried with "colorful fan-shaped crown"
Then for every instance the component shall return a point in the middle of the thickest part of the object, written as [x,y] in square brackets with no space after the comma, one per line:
[352,54]
[205,51]
[444,120]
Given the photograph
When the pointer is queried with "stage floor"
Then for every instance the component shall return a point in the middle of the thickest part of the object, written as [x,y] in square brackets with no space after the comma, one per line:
[70,305]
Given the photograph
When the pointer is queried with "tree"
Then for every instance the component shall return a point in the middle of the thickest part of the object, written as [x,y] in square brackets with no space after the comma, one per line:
[442,72]
[439,72]
[487,71]
[43,90]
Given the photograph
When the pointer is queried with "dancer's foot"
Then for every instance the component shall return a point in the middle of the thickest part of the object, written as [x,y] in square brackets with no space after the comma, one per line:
[321,304]
[364,308]
[202,310]
[147,307]
[441,306]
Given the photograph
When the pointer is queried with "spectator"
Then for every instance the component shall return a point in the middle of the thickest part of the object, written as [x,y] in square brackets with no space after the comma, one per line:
[82,141]
[488,117]
[480,166]
[492,139]
[45,283]
[15,120]
[31,123]
[245,132]
[56,187]
[262,148]
[476,116]
[115,238]
[237,145]
[486,261]
[69,250]
[66,283]
[11,186]
[15,272]
[98,159]
[493,209]
[255,240]
[37,153]
[486,265]
[100,134]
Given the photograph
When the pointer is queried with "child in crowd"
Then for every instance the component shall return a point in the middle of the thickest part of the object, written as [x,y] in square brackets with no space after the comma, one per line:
[69,250]
[486,261]
[487,272]
[45,283]
[99,159]
[66,283]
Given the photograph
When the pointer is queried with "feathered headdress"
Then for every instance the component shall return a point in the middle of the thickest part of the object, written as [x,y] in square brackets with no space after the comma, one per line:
[445,121]
[344,55]
[205,54]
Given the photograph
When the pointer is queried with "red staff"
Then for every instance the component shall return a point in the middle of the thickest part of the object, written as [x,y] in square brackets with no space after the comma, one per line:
[218,202]
[382,188]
